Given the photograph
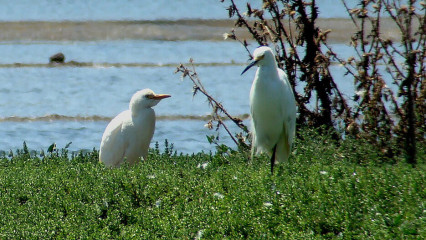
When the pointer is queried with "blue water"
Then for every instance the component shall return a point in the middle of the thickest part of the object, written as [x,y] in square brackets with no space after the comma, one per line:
[35,92]
[83,10]
[105,91]
[186,136]
[124,51]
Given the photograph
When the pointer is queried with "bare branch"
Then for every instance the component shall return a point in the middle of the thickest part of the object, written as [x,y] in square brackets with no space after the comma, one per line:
[213,103]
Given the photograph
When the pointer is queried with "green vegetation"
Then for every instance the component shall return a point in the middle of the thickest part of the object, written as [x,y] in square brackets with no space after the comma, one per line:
[325,191]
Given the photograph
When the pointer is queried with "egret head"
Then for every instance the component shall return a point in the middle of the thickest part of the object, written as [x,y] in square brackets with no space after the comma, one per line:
[145,98]
[261,56]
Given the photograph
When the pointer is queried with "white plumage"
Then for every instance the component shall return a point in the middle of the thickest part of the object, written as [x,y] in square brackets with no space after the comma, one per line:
[128,135]
[273,108]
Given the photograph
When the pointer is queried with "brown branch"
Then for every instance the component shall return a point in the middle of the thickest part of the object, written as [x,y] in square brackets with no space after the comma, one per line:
[217,106]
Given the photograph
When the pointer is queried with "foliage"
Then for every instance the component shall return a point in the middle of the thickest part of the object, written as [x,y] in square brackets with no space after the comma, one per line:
[322,192]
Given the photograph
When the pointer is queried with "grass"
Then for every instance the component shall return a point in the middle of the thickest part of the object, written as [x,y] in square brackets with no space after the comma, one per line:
[325,191]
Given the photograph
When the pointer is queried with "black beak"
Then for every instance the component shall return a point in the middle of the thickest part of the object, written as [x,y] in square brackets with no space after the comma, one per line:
[249,66]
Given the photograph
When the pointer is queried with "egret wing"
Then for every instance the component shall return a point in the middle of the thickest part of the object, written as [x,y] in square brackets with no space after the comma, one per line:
[289,108]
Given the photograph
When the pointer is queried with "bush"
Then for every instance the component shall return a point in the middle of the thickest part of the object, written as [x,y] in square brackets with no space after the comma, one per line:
[320,193]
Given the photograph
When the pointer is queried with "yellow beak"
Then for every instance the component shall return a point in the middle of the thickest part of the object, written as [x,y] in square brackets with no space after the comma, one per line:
[160,96]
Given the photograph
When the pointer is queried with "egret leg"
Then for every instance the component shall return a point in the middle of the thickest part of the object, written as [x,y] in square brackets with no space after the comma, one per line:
[273,158]
[253,142]
[251,155]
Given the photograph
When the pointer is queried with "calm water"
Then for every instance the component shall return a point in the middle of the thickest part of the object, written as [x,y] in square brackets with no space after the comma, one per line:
[34,92]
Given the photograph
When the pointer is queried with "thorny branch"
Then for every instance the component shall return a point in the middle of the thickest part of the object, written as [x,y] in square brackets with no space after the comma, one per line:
[378,124]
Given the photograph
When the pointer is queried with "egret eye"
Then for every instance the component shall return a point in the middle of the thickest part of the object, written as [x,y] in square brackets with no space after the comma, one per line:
[150,96]
[258,58]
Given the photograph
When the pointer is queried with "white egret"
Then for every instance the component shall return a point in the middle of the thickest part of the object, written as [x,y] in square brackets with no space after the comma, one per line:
[129,134]
[272,107]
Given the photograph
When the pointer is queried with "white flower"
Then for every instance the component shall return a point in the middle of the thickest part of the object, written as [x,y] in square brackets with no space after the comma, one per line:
[360,93]
[199,234]
[203,166]
[151,176]
[267,204]
[218,195]
[323,172]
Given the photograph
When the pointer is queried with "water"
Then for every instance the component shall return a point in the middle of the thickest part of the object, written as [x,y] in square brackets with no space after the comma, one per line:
[35,92]
[124,51]
[186,136]
[41,104]
[106,91]
[91,92]
[82,10]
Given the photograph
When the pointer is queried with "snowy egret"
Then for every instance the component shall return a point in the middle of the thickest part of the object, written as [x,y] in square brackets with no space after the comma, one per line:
[272,107]
[129,134]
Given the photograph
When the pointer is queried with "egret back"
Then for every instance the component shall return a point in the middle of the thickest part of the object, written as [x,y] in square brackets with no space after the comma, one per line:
[113,144]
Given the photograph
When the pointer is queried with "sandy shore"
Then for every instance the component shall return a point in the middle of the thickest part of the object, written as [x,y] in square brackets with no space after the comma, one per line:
[341,30]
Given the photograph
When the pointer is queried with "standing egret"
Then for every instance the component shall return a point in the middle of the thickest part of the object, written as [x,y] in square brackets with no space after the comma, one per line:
[129,134]
[272,107]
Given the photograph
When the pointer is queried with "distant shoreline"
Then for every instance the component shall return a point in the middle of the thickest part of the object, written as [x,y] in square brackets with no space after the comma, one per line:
[166,30]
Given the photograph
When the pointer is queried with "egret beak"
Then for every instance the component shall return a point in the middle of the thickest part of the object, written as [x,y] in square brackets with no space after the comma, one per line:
[249,66]
[160,96]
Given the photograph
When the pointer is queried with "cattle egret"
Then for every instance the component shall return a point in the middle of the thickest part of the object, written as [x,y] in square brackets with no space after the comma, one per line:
[128,135]
[272,107]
